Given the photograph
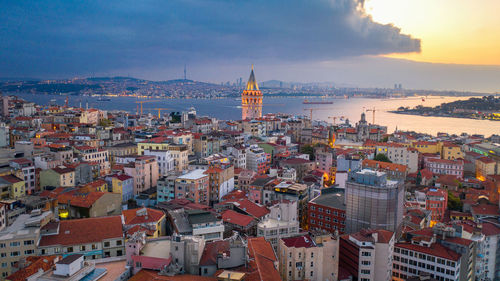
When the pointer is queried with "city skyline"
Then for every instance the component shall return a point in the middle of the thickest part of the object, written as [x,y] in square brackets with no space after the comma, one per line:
[367,44]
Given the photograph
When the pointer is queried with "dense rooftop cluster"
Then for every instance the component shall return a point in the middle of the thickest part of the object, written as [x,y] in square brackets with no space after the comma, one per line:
[89,194]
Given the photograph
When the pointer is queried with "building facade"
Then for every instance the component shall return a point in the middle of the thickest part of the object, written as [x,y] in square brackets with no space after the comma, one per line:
[373,201]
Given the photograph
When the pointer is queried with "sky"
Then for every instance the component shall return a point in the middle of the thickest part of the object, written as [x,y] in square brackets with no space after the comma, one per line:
[422,44]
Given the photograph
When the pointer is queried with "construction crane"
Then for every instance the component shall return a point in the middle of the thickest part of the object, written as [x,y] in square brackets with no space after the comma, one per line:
[335,118]
[143,101]
[159,110]
[311,111]
[373,114]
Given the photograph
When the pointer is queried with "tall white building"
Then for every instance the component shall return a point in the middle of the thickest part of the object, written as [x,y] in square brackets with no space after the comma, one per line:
[256,158]
[164,159]
[281,222]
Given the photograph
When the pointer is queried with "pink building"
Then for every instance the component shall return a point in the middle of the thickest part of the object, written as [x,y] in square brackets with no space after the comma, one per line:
[445,167]
[144,170]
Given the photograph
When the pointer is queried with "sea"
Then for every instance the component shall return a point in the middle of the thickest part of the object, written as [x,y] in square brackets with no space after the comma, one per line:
[342,109]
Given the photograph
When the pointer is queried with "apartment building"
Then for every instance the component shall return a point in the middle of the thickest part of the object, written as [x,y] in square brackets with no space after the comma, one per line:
[309,258]
[445,167]
[221,181]
[281,222]
[164,159]
[367,255]
[412,258]
[144,170]
[20,239]
[400,154]
[95,155]
[193,185]
[56,177]
[95,238]
[28,171]
[256,159]
[327,211]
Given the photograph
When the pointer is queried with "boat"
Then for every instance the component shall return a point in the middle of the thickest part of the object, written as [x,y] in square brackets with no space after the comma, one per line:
[317,102]
[103,99]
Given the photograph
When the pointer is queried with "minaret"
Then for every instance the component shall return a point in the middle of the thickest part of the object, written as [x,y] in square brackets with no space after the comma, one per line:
[251,99]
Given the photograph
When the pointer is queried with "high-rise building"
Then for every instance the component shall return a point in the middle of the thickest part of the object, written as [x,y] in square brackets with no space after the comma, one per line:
[373,201]
[251,99]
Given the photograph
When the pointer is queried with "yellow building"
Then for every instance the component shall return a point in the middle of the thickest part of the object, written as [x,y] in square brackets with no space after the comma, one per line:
[13,185]
[124,185]
[159,143]
[451,151]
[484,166]
[427,146]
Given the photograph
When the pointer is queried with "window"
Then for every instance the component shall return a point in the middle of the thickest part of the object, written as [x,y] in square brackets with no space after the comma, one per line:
[94,246]
[366,254]
[69,250]
[312,255]
[365,271]
[15,254]
[82,248]
[106,244]
[312,273]
[15,244]
[118,242]
[119,253]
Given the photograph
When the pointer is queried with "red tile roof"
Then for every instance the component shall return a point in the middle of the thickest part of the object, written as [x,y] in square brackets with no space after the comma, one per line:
[152,275]
[485,209]
[435,249]
[34,264]
[132,217]
[384,165]
[486,160]
[11,178]
[251,208]
[299,242]
[490,229]
[84,231]
[75,198]
[212,249]
[21,161]
[233,217]
[263,257]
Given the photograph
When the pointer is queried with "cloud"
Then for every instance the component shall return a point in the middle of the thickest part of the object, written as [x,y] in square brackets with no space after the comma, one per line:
[66,37]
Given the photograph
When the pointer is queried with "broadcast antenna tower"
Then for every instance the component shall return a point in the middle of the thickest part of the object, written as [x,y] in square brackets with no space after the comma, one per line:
[185,72]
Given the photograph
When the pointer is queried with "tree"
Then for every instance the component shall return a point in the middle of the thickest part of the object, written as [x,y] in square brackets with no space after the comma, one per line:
[105,122]
[418,180]
[382,157]
[308,149]
[454,202]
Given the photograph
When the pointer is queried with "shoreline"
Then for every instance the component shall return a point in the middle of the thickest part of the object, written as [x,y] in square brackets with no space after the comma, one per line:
[436,115]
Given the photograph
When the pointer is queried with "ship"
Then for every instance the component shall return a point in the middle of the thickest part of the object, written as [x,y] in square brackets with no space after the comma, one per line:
[317,102]
[103,99]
